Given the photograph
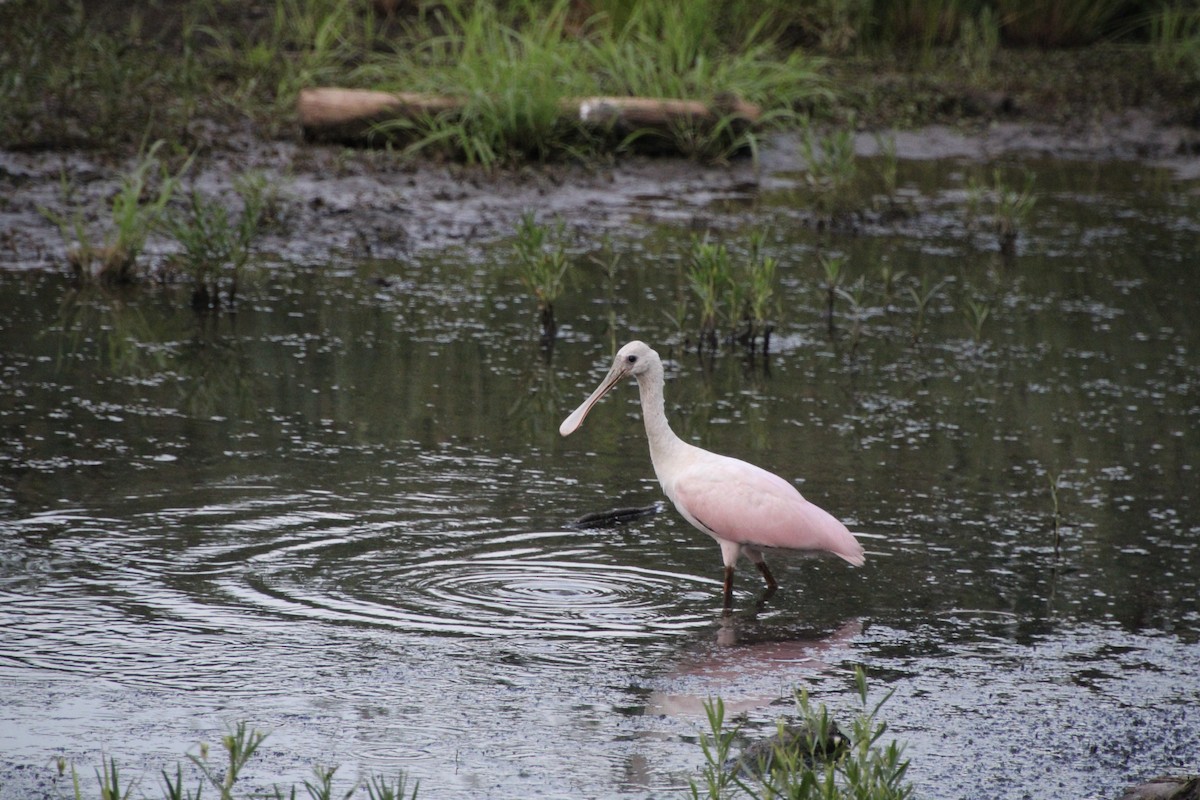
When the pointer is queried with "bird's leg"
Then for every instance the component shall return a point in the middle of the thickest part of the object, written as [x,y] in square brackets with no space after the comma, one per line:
[756,556]
[771,584]
[728,588]
[766,573]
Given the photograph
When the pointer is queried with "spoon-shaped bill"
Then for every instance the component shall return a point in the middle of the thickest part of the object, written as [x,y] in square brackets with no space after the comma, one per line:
[572,423]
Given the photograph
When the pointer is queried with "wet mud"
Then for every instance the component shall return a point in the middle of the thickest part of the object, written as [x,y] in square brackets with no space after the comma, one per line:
[338,203]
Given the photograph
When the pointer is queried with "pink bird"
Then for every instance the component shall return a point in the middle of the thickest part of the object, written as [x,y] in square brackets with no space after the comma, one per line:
[745,508]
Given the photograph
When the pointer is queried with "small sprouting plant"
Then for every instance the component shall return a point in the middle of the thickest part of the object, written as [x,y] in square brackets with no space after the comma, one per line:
[114,260]
[321,786]
[717,745]
[1013,208]
[216,245]
[976,313]
[889,276]
[833,271]
[758,275]
[1054,479]
[609,261]
[740,296]
[710,272]
[922,297]
[856,295]
[110,781]
[978,41]
[1008,208]
[542,262]
[889,168]
[240,745]
[380,788]
[832,167]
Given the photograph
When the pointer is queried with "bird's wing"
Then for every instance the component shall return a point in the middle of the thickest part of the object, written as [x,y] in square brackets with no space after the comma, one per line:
[739,502]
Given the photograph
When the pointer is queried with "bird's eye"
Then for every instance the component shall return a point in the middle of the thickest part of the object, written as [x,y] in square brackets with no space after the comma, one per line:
[631,359]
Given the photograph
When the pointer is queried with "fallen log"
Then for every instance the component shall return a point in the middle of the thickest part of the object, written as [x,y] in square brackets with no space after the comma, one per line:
[352,114]
[331,113]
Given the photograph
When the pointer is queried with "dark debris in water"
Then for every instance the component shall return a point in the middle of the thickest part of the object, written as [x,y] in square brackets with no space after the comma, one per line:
[1167,787]
[616,516]
[798,742]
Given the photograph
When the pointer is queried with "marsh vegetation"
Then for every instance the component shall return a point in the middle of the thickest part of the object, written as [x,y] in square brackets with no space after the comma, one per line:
[938,331]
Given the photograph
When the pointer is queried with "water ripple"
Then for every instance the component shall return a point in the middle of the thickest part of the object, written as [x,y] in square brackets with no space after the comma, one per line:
[490,589]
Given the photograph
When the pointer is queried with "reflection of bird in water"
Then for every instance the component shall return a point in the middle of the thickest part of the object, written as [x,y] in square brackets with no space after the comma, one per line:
[746,675]
[745,508]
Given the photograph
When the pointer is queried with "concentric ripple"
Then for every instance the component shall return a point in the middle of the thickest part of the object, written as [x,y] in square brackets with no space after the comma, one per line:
[491,590]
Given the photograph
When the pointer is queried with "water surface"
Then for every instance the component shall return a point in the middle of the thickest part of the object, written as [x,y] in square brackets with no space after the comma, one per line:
[342,514]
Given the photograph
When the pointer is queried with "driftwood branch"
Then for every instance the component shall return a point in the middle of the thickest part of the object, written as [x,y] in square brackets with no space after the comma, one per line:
[353,114]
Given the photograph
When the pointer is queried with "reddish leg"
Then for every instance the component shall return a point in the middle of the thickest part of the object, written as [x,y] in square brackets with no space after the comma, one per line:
[766,573]
[728,588]
[771,584]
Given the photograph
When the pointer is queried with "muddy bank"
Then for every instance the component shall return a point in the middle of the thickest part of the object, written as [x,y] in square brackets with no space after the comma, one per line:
[361,204]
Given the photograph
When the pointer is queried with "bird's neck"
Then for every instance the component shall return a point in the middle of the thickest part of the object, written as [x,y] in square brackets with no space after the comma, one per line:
[663,441]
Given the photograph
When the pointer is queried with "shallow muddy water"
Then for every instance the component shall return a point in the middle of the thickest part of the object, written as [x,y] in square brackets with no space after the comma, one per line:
[342,514]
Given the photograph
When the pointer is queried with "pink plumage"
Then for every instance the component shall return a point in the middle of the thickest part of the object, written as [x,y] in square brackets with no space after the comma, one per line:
[742,503]
[745,508]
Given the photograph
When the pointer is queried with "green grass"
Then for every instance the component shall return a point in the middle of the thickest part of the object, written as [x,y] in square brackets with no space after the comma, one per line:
[832,170]
[976,313]
[540,252]
[511,77]
[223,781]
[134,212]
[1008,209]
[710,274]
[1175,40]
[833,272]
[65,79]
[815,759]
[216,245]
[759,304]
[516,69]
[75,74]
[810,760]
[736,295]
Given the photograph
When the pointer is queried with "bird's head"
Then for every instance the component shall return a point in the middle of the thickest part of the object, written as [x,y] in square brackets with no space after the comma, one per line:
[633,360]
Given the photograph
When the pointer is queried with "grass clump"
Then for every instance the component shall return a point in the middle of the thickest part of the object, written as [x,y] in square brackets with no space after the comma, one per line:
[1175,41]
[675,49]
[519,70]
[832,166]
[759,303]
[811,760]
[541,257]
[132,217]
[512,71]
[710,273]
[239,745]
[1008,208]
[735,294]
[215,244]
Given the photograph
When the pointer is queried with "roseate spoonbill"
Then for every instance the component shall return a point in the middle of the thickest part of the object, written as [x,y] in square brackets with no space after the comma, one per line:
[745,508]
